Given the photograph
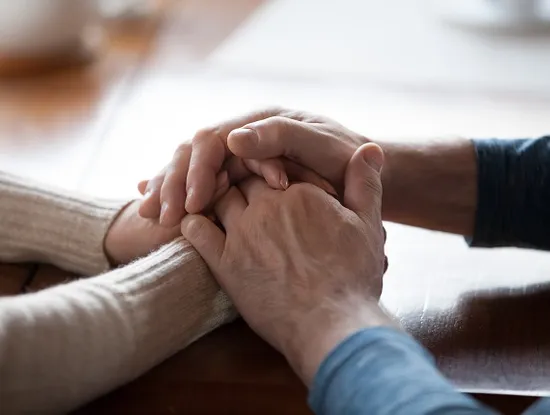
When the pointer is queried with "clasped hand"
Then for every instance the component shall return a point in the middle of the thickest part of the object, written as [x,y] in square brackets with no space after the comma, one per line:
[303,269]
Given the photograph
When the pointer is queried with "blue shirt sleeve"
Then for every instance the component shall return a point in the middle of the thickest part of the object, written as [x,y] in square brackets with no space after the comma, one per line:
[382,371]
[513,206]
[542,407]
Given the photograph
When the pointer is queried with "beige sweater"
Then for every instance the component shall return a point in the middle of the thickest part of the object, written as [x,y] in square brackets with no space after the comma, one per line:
[64,346]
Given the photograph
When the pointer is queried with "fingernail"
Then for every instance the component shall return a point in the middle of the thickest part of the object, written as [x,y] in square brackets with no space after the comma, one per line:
[163,210]
[283,180]
[251,135]
[147,194]
[375,159]
[188,199]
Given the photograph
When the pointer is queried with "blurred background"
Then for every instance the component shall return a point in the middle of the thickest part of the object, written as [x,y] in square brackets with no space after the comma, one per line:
[85,82]
[96,94]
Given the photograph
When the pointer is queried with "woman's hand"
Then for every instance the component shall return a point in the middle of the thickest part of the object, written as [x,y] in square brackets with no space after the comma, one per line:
[131,236]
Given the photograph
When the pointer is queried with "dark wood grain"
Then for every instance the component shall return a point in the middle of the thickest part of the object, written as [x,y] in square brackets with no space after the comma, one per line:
[230,371]
[492,339]
[481,312]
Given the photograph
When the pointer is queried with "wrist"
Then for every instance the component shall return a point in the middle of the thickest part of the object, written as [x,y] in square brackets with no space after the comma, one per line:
[130,236]
[111,242]
[324,328]
[430,184]
[397,157]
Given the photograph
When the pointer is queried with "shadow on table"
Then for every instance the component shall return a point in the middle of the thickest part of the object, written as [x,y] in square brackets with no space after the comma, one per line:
[233,371]
[511,319]
[494,340]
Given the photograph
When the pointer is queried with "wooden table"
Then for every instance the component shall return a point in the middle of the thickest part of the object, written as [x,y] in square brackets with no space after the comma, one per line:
[482,313]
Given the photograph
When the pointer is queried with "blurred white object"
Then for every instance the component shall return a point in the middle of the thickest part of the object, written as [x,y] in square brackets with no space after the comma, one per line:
[501,15]
[126,9]
[396,44]
[39,28]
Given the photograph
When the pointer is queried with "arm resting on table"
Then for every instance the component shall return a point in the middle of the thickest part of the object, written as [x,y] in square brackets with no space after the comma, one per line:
[39,223]
[64,346]
[495,192]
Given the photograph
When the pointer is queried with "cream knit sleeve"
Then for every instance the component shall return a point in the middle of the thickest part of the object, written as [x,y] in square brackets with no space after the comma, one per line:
[41,224]
[64,346]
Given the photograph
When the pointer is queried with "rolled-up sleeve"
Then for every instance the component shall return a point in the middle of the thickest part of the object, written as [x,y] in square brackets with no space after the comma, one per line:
[513,193]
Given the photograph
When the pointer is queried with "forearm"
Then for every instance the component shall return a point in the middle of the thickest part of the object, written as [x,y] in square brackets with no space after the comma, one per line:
[431,185]
[43,224]
[311,345]
[62,347]
[497,192]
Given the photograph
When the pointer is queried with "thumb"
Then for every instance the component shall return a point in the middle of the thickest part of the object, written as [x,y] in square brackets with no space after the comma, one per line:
[363,187]
[206,238]
[308,144]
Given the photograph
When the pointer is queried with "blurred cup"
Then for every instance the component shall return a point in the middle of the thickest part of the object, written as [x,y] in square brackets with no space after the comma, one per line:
[42,29]
[523,11]
[497,16]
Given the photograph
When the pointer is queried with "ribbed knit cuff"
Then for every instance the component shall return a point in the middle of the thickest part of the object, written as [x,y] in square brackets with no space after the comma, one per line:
[66,345]
[173,300]
[43,224]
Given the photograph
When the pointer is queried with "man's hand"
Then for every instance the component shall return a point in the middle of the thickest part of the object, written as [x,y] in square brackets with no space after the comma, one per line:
[304,271]
[131,236]
[277,144]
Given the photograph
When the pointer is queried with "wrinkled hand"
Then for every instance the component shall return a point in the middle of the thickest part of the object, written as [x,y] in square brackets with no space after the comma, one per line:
[131,236]
[303,270]
[277,144]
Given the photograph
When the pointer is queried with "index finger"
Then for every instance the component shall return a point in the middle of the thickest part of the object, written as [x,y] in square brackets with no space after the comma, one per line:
[209,151]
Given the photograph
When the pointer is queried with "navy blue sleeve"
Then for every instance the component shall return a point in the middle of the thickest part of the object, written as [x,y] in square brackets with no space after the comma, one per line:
[513,206]
[382,371]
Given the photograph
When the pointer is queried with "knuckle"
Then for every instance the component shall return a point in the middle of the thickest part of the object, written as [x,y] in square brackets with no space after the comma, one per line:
[298,115]
[182,153]
[307,189]
[276,124]
[173,174]
[372,185]
[205,134]
[195,230]
[183,148]
[297,190]
[272,110]
[303,193]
